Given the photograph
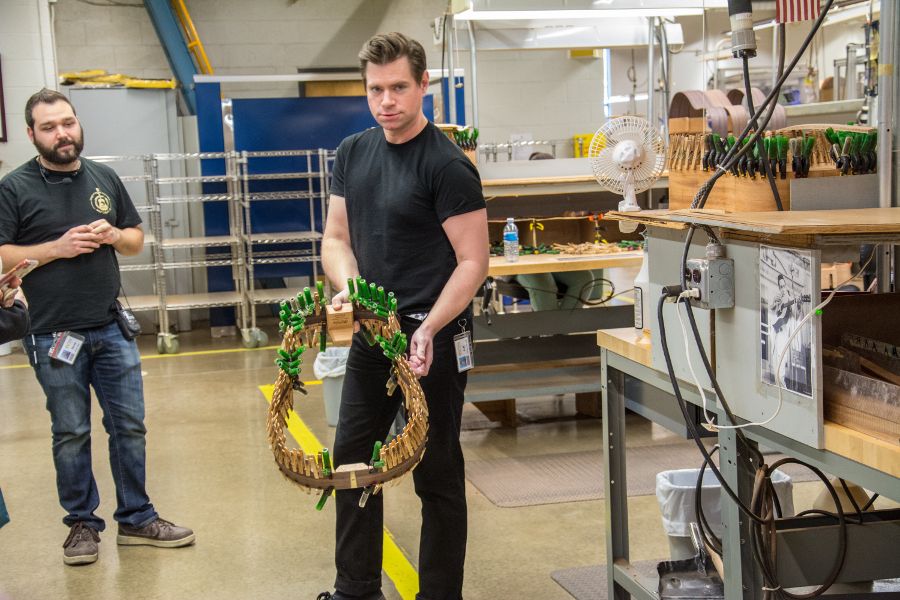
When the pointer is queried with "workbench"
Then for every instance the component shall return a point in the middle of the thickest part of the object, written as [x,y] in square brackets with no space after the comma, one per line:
[625,363]
[633,376]
[555,263]
[540,353]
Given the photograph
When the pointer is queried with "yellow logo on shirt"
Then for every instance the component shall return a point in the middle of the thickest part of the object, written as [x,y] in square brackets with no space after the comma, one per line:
[101,202]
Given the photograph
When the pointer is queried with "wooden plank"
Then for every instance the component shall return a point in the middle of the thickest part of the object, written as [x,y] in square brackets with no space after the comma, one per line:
[730,193]
[499,411]
[627,342]
[862,448]
[815,222]
[555,263]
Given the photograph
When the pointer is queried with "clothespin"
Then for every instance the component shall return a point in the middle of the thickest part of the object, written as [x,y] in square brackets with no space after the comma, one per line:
[534,226]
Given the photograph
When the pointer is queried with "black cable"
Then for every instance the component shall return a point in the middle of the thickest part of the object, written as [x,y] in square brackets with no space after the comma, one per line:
[581,297]
[851,498]
[692,428]
[760,511]
[760,459]
[706,533]
[767,169]
[869,504]
[759,537]
[739,149]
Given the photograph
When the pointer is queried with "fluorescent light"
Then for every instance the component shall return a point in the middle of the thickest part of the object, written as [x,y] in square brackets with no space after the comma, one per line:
[598,15]
[622,99]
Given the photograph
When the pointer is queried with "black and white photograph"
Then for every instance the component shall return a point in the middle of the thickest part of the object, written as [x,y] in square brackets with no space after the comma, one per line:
[785,297]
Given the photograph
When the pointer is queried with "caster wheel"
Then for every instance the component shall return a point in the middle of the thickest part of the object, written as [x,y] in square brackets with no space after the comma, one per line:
[167,344]
[254,338]
[262,338]
[248,340]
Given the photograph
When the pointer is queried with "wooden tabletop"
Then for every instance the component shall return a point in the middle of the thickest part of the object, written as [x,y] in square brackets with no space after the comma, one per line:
[555,263]
[840,440]
[792,222]
[627,342]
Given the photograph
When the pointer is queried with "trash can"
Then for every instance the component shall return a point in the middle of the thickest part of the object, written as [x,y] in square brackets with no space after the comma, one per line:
[329,366]
[675,493]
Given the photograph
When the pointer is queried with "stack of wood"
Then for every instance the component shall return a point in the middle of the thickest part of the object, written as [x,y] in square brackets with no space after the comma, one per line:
[861,378]
[702,124]
[591,248]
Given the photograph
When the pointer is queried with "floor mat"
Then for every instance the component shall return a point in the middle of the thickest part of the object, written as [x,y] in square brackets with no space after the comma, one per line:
[589,583]
[577,476]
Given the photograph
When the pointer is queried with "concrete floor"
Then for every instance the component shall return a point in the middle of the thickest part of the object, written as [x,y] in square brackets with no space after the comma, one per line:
[209,468]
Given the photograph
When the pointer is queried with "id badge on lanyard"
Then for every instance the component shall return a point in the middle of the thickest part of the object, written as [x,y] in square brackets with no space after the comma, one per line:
[66,346]
[462,344]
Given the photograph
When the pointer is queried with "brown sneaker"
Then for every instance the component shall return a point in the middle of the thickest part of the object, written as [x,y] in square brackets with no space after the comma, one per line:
[80,547]
[159,533]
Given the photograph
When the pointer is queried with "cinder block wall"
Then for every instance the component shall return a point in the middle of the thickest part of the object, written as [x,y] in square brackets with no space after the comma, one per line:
[26,59]
[543,93]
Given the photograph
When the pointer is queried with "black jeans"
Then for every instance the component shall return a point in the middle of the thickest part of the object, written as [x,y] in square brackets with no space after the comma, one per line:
[366,415]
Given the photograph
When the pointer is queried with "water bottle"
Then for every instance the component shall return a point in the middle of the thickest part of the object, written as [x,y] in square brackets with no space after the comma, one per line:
[642,305]
[511,240]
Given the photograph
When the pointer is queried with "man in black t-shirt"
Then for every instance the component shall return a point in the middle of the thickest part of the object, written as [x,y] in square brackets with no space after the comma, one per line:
[406,212]
[72,215]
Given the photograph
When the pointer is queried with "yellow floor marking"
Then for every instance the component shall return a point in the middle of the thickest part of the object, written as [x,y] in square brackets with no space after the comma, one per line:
[205,352]
[180,354]
[394,561]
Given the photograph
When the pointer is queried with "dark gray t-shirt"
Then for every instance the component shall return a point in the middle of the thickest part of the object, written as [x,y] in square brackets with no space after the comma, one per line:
[398,196]
[74,293]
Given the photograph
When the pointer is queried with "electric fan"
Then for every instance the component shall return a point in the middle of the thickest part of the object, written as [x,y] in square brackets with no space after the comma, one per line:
[627,155]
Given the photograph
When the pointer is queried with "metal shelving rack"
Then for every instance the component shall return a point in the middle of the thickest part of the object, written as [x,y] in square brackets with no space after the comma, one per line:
[304,246]
[242,248]
[149,211]
[167,342]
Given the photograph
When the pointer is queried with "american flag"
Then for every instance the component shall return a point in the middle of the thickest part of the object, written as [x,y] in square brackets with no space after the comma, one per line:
[788,11]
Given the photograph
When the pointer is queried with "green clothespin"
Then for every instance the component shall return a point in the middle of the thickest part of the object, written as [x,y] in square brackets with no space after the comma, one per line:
[326,462]
[320,288]
[324,498]
[376,456]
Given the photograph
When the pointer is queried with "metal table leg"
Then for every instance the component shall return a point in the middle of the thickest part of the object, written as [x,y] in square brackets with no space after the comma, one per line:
[616,502]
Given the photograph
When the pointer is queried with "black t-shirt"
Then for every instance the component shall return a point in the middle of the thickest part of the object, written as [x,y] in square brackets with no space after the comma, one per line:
[398,196]
[74,293]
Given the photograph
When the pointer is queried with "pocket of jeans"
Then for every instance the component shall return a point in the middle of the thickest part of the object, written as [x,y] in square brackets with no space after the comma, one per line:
[35,347]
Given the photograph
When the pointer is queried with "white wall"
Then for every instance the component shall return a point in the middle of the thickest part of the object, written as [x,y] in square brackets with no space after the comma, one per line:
[26,52]
[543,93]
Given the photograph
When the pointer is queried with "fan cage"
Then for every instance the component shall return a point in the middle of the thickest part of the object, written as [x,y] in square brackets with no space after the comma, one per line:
[614,176]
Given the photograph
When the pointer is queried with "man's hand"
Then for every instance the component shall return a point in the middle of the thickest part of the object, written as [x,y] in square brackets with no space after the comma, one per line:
[20,295]
[14,284]
[421,351]
[339,300]
[105,232]
[78,240]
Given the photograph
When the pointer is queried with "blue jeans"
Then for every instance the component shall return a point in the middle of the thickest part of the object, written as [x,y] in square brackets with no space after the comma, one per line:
[112,366]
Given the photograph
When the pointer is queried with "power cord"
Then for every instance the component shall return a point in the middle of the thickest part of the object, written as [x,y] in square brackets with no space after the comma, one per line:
[683,298]
[761,511]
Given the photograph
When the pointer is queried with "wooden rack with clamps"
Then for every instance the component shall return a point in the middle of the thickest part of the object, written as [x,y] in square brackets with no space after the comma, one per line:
[306,321]
[816,150]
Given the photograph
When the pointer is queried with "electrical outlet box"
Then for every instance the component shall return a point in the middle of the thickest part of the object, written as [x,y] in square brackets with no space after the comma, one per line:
[714,278]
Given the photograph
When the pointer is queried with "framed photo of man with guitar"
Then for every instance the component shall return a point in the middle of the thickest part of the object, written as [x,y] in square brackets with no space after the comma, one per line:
[785,290]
